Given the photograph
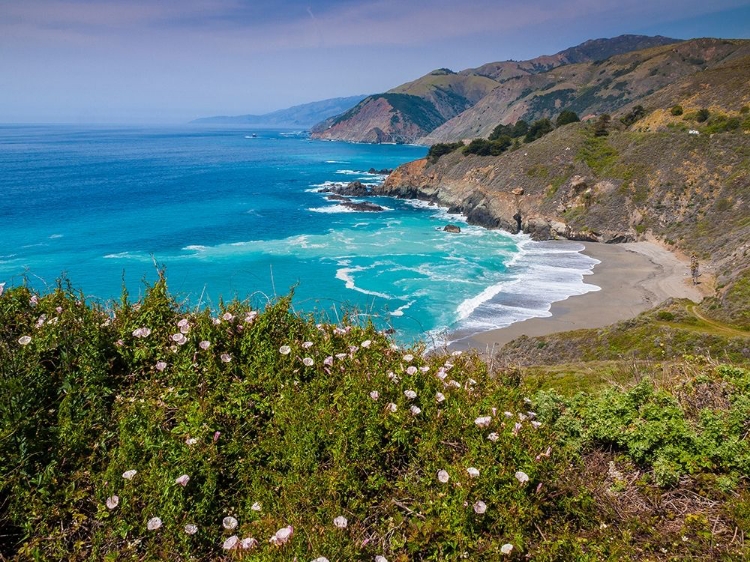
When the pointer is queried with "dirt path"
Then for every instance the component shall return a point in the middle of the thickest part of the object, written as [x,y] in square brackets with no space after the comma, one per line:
[717,326]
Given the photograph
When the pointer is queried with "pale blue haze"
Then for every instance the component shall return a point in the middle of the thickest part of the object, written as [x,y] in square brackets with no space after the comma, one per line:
[232,215]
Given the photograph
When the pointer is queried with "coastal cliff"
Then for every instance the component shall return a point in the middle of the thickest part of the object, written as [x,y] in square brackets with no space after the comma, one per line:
[690,191]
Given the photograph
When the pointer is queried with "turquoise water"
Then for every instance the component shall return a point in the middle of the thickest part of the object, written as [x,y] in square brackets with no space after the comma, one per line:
[230,215]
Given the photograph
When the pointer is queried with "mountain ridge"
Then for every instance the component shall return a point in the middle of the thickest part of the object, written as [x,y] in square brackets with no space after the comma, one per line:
[452,94]
[304,116]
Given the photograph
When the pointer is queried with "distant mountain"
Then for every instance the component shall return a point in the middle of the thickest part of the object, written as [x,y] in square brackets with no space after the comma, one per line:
[410,112]
[300,116]
[588,88]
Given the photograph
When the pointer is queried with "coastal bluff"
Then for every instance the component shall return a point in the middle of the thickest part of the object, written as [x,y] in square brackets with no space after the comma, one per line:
[689,192]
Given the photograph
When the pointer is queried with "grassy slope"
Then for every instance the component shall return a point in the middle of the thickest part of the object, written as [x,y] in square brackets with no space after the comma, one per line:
[85,400]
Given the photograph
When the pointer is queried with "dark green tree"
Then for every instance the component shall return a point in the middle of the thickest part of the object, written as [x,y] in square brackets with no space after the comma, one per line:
[441,149]
[566,117]
[638,112]
[538,129]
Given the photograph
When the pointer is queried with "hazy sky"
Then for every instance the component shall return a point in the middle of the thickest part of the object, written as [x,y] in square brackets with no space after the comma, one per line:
[169,61]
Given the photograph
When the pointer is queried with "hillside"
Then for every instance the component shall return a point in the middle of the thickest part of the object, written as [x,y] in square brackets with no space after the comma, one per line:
[425,104]
[653,179]
[144,431]
[300,116]
[589,88]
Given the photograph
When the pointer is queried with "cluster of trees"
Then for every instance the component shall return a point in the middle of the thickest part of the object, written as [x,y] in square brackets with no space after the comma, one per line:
[504,137]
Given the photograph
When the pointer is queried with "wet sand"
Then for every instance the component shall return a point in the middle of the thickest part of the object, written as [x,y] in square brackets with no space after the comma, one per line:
[633,277]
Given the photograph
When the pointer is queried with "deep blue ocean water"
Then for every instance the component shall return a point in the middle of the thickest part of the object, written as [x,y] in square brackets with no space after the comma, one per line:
[236,213]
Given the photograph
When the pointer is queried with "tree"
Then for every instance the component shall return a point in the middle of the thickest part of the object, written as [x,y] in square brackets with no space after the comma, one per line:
[638,112]
[440,149]
[702,115]
[676,110]
[601,127]
[566,117]
[538,129]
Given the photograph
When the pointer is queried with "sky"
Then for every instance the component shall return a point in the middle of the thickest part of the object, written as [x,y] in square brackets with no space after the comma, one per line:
[170,61]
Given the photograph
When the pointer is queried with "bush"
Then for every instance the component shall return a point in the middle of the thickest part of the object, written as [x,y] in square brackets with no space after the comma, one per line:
[538,129]
[601,126]
[702,115]
[484,147]
[567,117]
[518,130]
[441,149]
[635,114]
[676,110]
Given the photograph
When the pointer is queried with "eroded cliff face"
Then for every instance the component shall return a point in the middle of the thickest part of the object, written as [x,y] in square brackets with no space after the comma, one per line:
[691,192]
[530,190]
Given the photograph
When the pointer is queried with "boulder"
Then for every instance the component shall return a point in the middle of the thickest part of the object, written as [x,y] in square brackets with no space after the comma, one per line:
[452,228]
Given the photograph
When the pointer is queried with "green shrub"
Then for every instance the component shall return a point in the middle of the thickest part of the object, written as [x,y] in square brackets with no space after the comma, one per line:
[484,147]
[441,149]
[635,114]
[676,110]
[567,117]
[538,129]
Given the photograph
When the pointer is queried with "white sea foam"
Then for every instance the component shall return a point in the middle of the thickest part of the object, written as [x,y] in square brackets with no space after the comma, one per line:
[400,310]
[54,236]
[332,209]
[345,274]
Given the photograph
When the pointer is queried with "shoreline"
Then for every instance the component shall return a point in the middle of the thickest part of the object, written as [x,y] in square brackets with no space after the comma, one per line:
[633,277]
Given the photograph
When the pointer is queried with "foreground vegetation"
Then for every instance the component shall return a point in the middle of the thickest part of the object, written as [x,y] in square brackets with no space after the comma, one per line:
[142,431]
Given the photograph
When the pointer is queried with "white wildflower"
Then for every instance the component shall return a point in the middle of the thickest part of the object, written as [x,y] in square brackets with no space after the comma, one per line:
[307,345]
[204,345]
[282,536]
[24,340]
[415,411]
[522,477]
[410,394]
[473,472]
[248,543]
[391,407]
[443,476]
[231,542]
[229,523]
[507,548]
[182,480]
[191,529]
[129,474]
[439,396]
[480,507]
[483,421]
[340,522]
[374,394]
[285,350]
[493,436]
[112,502]
[226,358]
[308,361]
[366,343]
[153,524]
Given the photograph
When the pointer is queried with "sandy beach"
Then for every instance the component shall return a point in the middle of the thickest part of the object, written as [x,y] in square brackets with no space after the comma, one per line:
[632,277]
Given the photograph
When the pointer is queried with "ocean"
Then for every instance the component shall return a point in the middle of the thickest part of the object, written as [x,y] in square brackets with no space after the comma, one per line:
[237,213]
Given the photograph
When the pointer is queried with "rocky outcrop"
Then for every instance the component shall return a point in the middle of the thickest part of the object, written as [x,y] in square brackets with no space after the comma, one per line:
[352,189]
[452,228]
